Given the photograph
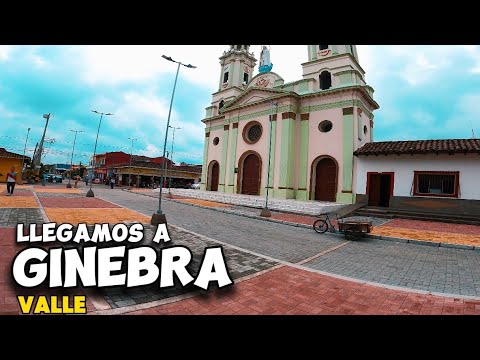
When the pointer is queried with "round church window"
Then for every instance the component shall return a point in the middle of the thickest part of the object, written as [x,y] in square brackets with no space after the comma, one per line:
[325,126]
[252,132]
[216,141]
[365,130]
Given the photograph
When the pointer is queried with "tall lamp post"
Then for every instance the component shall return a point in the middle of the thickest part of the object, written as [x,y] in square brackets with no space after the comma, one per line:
[171,161]
[266,211]
[130,172]
[159,217]
[90,192]
[69,185]
[24,150]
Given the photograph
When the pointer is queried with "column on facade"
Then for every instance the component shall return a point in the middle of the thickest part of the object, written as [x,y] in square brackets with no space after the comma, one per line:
[233,155]
[223,164]
[302,193]
[203,181]
[287,154]
[273,136]
[346,195]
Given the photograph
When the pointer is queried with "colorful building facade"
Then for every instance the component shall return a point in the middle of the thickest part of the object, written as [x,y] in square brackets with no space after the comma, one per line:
[298,137]
[9,159]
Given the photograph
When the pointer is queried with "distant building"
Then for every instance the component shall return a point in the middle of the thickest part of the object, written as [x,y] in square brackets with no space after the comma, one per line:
[57,168]
[9,159]
[144,171]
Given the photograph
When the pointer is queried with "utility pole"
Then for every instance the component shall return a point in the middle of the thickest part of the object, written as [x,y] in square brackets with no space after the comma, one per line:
[38,154]
[130,172]
[24,150]
[69,185]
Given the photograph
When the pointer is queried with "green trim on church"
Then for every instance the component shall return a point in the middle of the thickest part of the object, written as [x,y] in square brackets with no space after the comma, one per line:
[203,182]
[347,168]
[223,164]
[287,157]
[303,161]
[231,166]
[272,154]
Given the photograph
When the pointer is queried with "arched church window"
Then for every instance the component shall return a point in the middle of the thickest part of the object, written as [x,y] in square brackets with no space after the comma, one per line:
[245,78]
[325,80]
[225,77]
[323,47]
[239,47]
[221,104]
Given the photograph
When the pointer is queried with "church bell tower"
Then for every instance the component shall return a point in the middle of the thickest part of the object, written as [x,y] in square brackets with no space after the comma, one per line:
[236,70]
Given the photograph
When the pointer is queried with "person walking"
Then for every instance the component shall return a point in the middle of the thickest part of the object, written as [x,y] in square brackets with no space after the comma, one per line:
[11,181]
[44,179]
[76,181]
[112,182]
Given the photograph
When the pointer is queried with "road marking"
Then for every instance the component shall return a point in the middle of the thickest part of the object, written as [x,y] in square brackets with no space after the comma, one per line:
[336,276]
[42,210]
[329,250]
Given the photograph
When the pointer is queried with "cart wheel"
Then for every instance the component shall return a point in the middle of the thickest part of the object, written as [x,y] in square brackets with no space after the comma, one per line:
[357,235]
[320,226]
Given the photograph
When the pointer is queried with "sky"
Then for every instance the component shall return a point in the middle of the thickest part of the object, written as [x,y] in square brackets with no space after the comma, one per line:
[424,92]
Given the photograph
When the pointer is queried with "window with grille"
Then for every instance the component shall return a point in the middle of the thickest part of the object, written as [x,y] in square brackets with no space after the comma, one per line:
[437,183]
[252,132]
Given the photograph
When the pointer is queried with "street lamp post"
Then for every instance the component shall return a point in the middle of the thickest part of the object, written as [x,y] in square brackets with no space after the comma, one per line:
[171,161]
[130,172]
[159,217]
[266,211]
[24,150]
[69,185]
[90,192]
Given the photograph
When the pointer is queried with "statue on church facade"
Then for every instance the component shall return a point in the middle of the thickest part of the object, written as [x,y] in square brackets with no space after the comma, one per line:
[265,63]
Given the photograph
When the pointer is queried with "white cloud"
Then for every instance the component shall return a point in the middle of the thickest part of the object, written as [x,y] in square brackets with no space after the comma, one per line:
[5,51]
[146,109]
[467,116]
[422,118]
[135,63]
[39,62]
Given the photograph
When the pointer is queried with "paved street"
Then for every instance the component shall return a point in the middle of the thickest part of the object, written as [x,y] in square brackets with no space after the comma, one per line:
[277,268]
[435,269]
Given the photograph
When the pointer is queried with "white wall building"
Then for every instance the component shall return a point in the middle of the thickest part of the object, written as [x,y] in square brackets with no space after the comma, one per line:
[428,175]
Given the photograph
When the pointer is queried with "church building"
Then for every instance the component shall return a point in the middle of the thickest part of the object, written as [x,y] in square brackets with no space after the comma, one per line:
[297,138]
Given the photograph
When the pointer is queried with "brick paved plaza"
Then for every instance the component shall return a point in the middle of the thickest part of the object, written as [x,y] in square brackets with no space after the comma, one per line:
[278,268]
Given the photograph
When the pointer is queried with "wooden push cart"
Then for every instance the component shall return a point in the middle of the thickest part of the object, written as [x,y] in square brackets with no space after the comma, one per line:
[355,229]
[351,228]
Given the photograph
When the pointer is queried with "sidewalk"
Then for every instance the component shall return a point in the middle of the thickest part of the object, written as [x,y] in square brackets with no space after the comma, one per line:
[425,232]
[263,285]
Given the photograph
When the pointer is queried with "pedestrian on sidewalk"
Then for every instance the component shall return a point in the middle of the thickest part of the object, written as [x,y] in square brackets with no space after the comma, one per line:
[86,180]
[76,181]
[112,182]
[11,181]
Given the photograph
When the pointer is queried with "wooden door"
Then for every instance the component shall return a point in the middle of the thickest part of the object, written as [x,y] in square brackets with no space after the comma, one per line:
[374,183]
[251,175]
[326,180]
[214,177]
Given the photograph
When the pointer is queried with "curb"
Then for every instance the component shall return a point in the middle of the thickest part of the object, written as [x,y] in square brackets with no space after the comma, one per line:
[367,236]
